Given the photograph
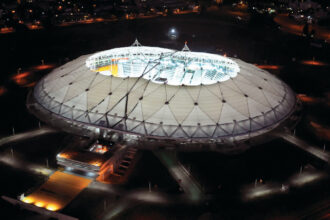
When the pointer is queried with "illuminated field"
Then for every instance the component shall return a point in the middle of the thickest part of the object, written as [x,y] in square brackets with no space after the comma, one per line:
[164,65]
[58,191]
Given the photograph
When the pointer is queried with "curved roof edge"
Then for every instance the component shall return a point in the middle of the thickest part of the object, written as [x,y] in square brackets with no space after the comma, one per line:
[91,130]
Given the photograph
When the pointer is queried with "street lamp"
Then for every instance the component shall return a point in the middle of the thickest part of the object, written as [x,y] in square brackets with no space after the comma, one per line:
[173,33]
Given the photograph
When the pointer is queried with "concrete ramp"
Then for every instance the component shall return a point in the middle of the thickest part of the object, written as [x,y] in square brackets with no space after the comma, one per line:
[60,189]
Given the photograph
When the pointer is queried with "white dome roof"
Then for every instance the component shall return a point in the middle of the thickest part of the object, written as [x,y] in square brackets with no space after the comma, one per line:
[163,93]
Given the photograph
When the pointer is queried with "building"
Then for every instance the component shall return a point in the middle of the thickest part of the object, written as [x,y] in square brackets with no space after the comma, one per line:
[164,98]
[96,159]
[90,159]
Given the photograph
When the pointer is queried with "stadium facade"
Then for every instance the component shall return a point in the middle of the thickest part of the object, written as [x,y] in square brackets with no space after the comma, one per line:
[163,97]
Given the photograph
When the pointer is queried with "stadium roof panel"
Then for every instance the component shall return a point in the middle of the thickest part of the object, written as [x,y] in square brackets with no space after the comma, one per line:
[163,93]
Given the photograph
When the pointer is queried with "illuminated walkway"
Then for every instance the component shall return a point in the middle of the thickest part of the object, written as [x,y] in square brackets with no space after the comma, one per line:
[60,189]
[132,199]
[315,151]
[117,208]
[129,199]
[183,177]
[26,166]
[26,135]
[306,176]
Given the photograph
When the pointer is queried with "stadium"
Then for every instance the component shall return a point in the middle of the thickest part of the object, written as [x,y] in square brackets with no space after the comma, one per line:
[158,97]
